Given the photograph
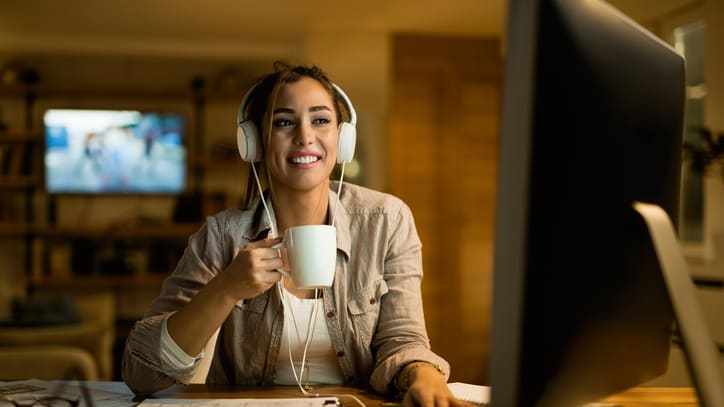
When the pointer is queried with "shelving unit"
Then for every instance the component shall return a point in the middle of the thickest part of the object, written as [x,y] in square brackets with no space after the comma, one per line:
[108,256]
[126,245]
[19,175]
[62,255]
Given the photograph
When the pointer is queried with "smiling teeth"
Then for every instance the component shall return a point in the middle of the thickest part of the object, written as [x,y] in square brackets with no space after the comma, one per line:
[304,160]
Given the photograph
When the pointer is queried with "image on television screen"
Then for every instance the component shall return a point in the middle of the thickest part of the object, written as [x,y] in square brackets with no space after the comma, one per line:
[114,151]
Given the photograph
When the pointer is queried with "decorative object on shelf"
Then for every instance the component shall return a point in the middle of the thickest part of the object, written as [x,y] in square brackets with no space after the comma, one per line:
[14,72]
[232,80]
[32,311]
[706,152]
[705,157]
[3,125]
[29,78]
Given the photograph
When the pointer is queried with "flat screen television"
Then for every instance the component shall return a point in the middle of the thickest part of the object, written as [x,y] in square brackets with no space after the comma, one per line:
[95,151]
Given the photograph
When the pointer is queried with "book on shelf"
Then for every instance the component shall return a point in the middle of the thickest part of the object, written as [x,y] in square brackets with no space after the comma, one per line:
[4,159]
[17,152]
[17,160]
[12,160]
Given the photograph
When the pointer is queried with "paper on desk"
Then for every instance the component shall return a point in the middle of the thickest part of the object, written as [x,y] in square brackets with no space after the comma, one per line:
[286,402]
[472,393]
[41,388]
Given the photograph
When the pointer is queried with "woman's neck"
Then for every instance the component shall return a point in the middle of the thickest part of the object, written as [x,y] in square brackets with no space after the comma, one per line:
[294,208]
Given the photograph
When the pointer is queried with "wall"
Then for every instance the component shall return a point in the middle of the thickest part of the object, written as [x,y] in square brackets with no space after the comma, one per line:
[714,68]
[360,64]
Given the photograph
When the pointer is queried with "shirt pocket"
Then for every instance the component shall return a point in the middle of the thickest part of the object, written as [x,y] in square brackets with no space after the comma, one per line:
[248,313]
[364,309]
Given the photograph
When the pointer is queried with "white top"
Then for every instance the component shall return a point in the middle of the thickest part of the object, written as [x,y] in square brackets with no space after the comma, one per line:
[321,360]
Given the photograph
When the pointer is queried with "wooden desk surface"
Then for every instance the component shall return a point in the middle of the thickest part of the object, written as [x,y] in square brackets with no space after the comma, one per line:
[655,396]
[636,397]
[194,391]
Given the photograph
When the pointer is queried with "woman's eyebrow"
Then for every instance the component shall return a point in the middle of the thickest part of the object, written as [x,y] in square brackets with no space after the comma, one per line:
[318,108]
[283,110]
[311,109]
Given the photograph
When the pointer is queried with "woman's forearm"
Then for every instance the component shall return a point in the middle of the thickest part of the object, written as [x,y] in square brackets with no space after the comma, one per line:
[192,326]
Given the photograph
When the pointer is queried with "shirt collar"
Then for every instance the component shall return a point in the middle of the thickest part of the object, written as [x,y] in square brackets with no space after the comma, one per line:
[341,221]
[261,226]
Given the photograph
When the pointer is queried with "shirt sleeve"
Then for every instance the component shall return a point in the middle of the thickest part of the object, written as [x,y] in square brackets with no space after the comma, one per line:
[174,358]
[151,359]
[401,336]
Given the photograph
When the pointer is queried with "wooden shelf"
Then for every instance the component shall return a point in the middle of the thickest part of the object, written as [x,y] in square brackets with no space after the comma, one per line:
[161,231]
[18,181]
[121,93]
[99,281]
[15,229]
[20,136]
[150,231]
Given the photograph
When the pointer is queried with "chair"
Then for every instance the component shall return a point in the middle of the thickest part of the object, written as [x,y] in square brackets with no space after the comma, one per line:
[50,352]
[46,362]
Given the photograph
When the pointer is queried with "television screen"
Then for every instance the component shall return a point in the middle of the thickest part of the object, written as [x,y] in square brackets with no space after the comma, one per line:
[114,151]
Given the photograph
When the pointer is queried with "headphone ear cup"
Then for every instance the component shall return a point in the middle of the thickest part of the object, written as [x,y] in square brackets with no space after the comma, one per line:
[347,142]
[247,141]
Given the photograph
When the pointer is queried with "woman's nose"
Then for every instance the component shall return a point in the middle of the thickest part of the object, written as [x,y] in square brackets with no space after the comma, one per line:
[305,135]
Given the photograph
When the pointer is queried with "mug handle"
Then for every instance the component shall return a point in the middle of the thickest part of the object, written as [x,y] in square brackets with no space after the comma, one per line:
[282,272]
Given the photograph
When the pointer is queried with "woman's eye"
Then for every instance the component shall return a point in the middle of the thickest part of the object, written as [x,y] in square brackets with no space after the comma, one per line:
[320,120]
[282,122]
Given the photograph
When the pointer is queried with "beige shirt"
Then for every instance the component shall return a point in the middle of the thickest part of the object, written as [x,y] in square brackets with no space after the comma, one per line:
[373,309]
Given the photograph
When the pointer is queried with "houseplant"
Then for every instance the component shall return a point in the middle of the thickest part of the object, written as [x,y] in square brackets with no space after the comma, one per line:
[703,154]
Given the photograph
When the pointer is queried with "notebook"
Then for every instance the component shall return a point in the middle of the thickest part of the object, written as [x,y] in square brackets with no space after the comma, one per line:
[471,393]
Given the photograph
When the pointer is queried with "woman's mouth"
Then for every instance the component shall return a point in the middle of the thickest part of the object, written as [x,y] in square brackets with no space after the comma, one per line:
[304,159]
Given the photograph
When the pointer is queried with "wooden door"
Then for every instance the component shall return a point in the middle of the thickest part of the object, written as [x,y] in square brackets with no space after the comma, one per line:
[443,162]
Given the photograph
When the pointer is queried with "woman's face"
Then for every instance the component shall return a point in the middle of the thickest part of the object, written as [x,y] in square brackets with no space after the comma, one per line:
[302,148]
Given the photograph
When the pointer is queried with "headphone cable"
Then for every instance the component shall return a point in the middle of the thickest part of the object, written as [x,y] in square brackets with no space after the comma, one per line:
[263,202]
[339,190]
[312,326]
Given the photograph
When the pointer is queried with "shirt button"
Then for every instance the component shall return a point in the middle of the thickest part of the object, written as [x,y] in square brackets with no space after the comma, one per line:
[340,354]
[330,314]
[373,301]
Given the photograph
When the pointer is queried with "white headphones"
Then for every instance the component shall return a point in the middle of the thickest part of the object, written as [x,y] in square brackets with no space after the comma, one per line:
[249,143]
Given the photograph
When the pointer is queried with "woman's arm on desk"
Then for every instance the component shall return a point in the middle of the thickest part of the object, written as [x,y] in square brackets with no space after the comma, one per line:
[194,302]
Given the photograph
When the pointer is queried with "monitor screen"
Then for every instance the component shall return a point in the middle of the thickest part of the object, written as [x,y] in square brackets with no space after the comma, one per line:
[592,122]
[114,151]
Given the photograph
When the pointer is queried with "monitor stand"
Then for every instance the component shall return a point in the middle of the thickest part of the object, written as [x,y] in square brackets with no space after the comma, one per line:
[700,349]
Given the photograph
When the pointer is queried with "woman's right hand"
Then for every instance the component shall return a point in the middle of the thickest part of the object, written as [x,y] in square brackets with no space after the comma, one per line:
[253,269]
[251,272]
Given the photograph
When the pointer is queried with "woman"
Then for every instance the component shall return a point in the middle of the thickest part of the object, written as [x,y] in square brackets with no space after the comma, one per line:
[371,329]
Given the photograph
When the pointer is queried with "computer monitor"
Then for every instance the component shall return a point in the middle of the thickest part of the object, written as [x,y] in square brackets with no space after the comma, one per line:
[592,122]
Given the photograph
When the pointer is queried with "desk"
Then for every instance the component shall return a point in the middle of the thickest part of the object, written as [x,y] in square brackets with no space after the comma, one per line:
[636,397]
[199,391]
[655,396]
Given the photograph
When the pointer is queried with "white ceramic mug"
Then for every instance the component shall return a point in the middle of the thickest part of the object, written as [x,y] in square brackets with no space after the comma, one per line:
[312,255]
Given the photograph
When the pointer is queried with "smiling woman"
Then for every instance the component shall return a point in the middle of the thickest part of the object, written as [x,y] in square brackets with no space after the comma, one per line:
[367,328]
